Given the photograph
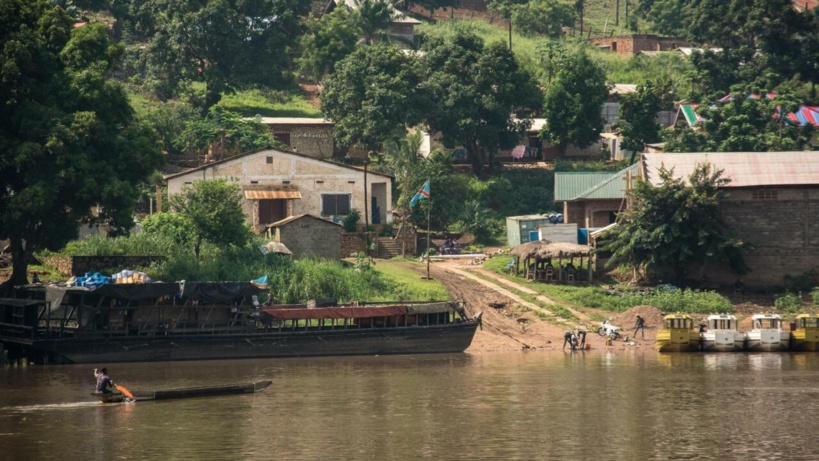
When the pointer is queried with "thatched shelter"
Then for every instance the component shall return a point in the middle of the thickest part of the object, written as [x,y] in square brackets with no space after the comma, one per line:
[538,257]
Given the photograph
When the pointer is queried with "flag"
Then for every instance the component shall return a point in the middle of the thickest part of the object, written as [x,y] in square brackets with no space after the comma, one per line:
[423,193]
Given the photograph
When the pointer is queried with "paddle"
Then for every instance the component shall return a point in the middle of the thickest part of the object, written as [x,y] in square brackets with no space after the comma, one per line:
[124,391]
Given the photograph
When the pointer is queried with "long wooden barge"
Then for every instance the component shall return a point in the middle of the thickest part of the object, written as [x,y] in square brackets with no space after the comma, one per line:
[220,320]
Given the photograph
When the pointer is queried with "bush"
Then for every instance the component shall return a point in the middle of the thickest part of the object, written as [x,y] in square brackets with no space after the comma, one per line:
[789,302]
[350,222]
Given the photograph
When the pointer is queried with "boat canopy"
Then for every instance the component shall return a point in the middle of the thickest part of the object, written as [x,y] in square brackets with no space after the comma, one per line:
[218,292]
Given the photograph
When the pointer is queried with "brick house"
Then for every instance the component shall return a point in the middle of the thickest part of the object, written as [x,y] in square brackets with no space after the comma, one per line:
[592,199]
[772,202]
[631,45]
[308,236]
[308,136]
[277,184]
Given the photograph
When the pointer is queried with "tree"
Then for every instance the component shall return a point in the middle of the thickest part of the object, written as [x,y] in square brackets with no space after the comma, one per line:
[372,96]
[332,37]
[228,132]
[573,102]
[476,89]
[544,17]
[638,118]
[69,141]
[374,18]
[227,44]
[214,209]
[505,9]
[401,157]
[743,124]
[676,225]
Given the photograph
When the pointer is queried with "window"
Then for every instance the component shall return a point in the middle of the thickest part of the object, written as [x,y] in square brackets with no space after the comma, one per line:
[335,204]
[764,194]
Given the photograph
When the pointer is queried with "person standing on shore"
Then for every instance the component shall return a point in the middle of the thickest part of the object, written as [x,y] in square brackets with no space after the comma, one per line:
[104,382]
[640,326]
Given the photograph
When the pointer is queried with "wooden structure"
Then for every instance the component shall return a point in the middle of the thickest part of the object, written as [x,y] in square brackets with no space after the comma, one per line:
[188,392]
[538,260]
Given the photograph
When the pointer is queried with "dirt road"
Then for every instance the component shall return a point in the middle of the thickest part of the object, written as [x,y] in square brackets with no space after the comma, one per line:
[510,323]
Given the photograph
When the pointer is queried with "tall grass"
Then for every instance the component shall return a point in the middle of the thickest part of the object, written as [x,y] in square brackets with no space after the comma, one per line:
[268,103]
[291,281]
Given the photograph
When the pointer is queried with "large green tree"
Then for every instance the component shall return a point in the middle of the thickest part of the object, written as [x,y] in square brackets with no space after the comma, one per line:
[69,141]
[372,96]
[226,44]
[330,39]
[214,210]
[638,118]
[474,91]
[544,17]
[675,226]
[742,124]
[573,102]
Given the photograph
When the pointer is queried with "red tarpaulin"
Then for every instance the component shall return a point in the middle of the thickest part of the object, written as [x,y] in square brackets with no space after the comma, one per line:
[334,312]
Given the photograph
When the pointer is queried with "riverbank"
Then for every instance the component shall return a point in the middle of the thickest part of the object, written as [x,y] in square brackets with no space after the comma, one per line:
[512,322]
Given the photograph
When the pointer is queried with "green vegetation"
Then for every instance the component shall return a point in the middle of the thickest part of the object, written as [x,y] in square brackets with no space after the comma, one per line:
[409,281]
[688,301]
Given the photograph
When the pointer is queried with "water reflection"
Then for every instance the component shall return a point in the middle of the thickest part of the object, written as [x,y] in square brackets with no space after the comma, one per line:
[538,405]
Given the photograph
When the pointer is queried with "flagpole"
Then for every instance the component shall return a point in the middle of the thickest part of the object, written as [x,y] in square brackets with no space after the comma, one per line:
[429,235]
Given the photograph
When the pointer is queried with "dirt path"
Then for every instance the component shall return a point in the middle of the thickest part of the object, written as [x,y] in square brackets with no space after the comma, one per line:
[510,323]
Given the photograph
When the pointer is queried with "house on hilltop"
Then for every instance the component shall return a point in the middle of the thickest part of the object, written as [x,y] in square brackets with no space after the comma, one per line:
[277,184]
[401,28]
[631,45]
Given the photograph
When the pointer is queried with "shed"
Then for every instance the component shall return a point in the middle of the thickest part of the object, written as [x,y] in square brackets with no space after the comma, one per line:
[544,260]
[308,236]
[522,229]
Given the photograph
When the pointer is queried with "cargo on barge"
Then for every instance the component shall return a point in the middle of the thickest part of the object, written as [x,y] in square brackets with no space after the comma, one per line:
[219,320]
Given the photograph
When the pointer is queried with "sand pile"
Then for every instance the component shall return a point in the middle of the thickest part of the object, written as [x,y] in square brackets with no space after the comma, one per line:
[627,319]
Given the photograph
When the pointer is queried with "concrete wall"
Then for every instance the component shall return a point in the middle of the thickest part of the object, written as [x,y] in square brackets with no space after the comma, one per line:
[311,238]
[315,141]
[782,224]
[353,243]
[276,170]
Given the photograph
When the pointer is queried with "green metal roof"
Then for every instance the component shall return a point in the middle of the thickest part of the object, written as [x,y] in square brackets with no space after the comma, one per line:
[592,185]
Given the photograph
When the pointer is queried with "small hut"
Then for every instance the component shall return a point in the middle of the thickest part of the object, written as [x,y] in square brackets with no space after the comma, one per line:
[549,261]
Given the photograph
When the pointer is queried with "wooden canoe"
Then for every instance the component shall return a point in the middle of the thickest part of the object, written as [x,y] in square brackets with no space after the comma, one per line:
[187,392]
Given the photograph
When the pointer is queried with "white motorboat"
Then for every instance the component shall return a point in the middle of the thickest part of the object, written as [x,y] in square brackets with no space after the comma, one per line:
[721,334]
[766,333]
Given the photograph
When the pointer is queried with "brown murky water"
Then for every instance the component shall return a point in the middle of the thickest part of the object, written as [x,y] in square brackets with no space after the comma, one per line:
[519,406]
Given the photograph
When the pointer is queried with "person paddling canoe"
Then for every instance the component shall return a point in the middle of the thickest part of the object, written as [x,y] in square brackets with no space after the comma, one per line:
[104,382]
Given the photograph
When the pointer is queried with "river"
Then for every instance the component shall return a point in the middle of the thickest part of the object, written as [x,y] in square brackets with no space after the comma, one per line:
[539,405]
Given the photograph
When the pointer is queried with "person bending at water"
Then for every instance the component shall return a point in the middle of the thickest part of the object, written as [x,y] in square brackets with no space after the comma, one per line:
[567,339]
[104,382]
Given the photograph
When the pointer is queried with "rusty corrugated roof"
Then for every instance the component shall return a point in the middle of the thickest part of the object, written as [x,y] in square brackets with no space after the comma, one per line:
[272,194]
[744,169]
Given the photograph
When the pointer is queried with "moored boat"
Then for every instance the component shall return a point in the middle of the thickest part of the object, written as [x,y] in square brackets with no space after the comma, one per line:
[220,320]
[806,335]
[766,333]
[677,334]
[187,392]
[722,334]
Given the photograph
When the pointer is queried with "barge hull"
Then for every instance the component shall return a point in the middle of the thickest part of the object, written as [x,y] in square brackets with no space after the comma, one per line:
[450,338]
